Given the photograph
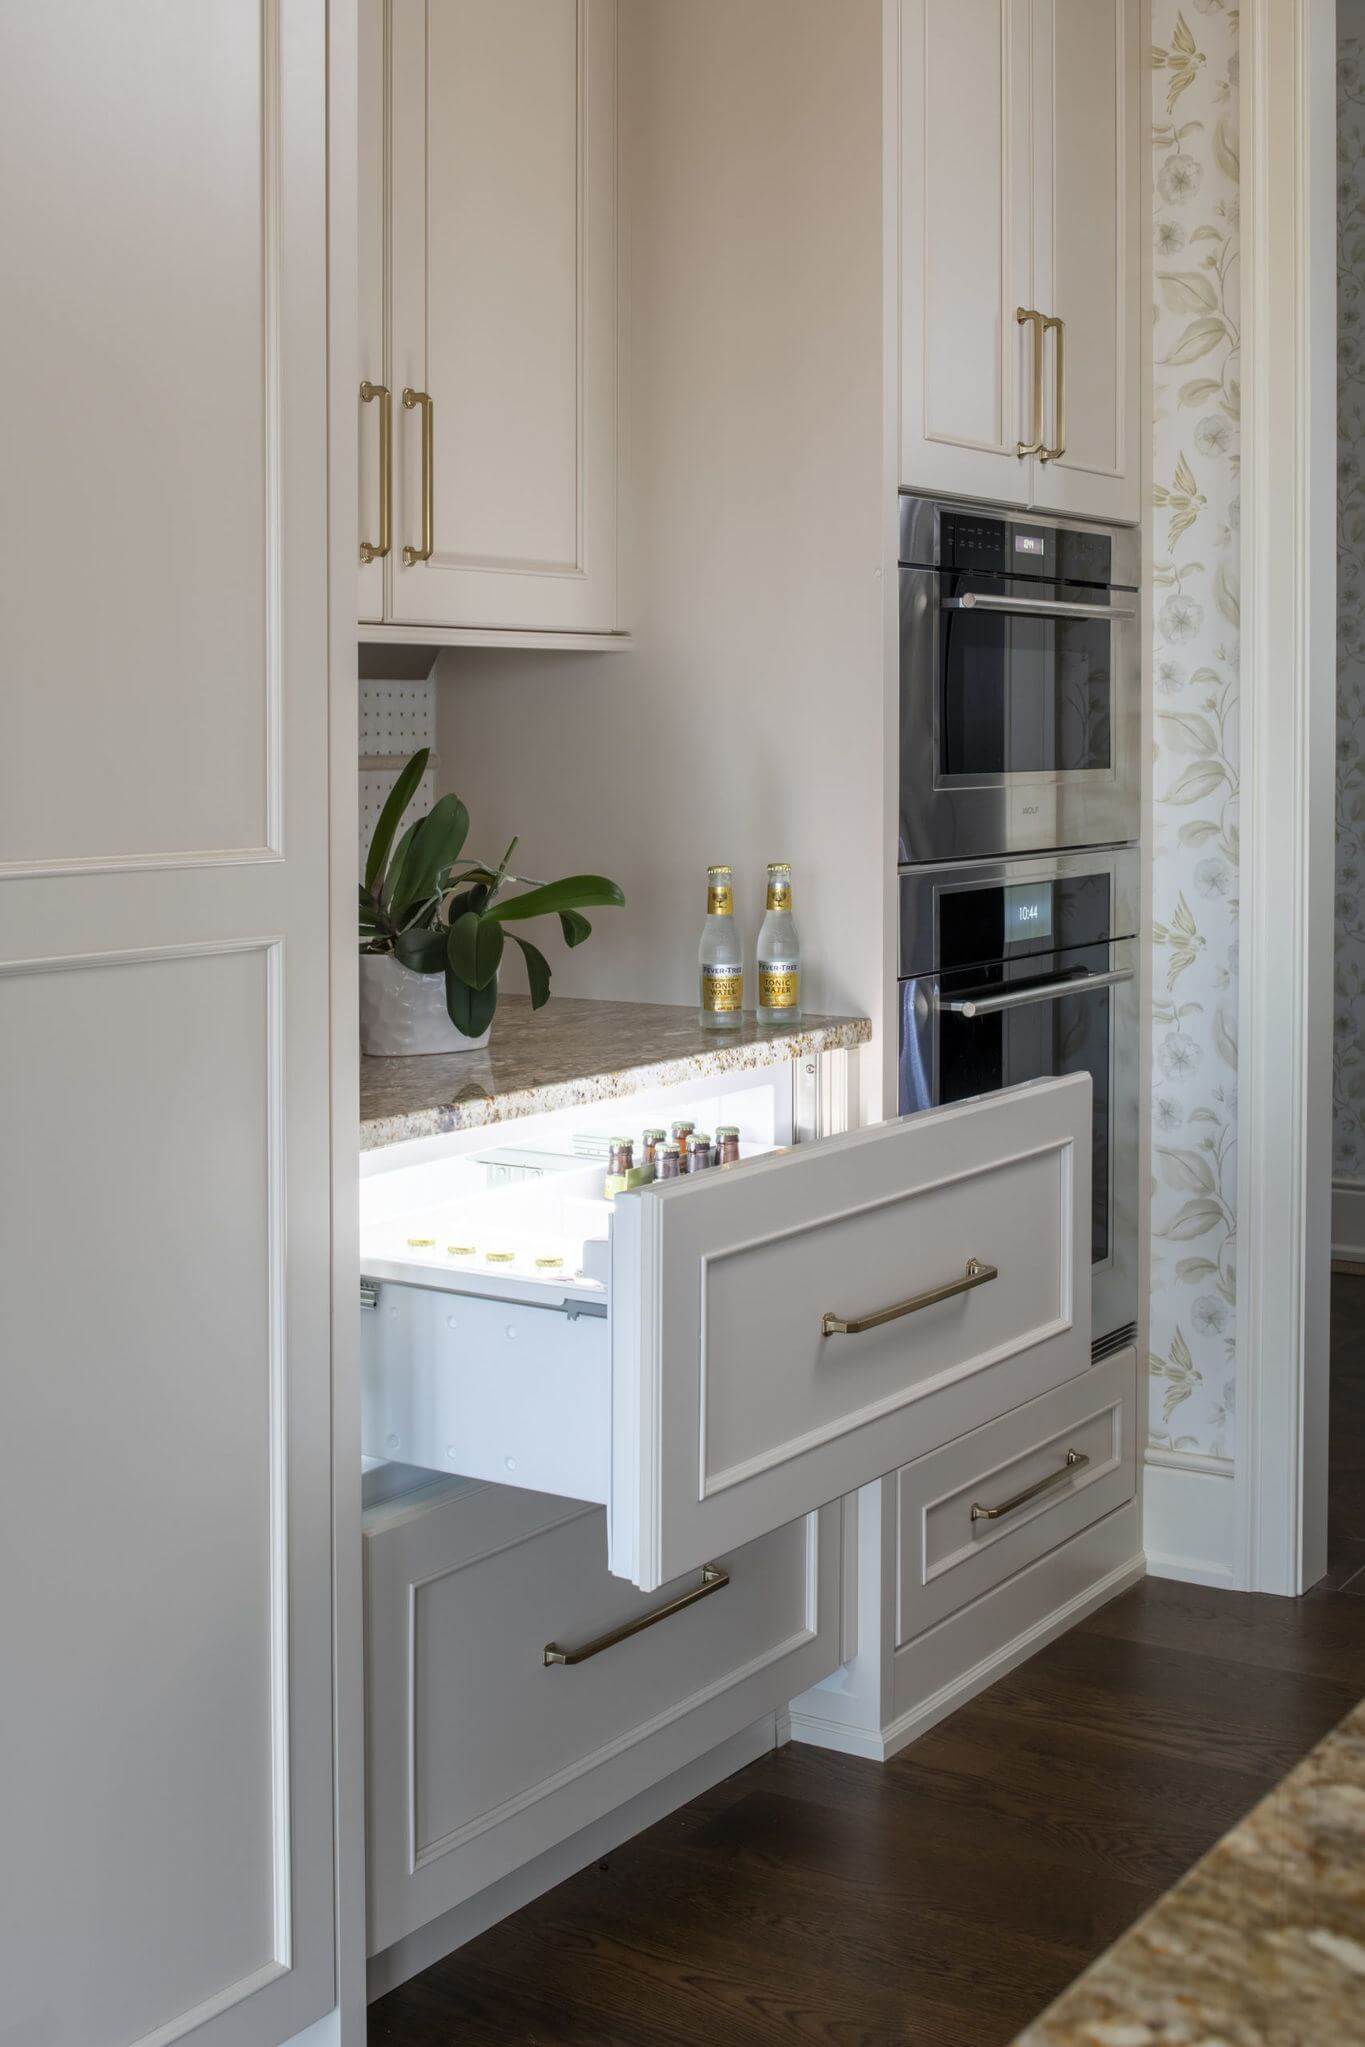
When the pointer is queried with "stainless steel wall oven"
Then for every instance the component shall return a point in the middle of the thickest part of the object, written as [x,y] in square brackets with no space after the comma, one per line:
[1019,681]
[1017,970]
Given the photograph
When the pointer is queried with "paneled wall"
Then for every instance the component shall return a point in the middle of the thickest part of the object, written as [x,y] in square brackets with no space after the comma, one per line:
[1196,577]
[746,722]
[1348,1064]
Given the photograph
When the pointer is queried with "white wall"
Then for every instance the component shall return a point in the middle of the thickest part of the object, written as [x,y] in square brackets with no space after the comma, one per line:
[747,723]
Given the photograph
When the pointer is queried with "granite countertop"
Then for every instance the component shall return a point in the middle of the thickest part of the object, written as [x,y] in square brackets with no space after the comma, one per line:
[1261,1945]
[574,1051]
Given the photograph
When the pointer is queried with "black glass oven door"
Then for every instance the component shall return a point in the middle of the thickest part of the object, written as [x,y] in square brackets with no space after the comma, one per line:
[1025,678]
[977,1031]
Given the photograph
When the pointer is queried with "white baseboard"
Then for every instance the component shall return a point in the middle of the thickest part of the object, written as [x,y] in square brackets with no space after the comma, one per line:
[431,1943]
[880,1746]
[1188,1519]
[1348,1220]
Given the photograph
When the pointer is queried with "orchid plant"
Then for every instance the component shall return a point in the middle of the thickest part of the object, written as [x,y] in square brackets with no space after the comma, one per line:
[437,912]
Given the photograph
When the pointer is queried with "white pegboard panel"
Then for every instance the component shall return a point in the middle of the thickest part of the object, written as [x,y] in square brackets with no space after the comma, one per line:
[375,784]
[396,718]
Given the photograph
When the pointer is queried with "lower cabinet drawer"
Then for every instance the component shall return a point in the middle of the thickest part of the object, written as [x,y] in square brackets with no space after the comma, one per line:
[481,1753]
[973,1513]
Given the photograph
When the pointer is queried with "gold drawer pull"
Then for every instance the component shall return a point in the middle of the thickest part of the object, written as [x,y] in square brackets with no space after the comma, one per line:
[978,1273]
[413,555]
[1058,449]
[375,550]
[713,1579]
[1025,316]
[1076,1460]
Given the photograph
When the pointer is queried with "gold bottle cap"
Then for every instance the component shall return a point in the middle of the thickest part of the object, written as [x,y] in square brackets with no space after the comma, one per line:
[461,1250]
[549,1264]
[500,1257]
[726,869]
[779,867]
[421,1243]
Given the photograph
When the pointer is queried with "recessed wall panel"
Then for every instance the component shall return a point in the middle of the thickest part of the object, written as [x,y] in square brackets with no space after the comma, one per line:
[143,1794]
[137,358]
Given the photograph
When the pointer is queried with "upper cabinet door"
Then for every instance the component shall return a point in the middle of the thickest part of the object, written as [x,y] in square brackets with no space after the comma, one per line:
[968,397]
[502,154]
[165,1326]
[1087,68]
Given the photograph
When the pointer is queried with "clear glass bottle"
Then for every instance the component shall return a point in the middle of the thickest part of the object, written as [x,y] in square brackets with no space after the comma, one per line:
[720,956]
[779,952]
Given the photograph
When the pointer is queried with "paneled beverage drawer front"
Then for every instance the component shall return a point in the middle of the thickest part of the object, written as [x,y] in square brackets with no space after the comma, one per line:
[973,1513]
[767,1337]
[483,1751]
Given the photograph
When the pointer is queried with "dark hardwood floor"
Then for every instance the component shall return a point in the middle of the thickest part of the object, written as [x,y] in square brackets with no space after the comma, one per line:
[944,1899]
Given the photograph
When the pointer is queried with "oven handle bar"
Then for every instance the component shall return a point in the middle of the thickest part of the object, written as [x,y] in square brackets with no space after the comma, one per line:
[1036,607]
[1050,991]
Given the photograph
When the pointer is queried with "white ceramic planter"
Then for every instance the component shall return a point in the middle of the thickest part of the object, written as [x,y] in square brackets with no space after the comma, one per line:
[402,1013]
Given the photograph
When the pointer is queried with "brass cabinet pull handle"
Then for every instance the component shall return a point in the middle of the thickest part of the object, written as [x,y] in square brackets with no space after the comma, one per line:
[423,553]
[977,1273]
[1026,317]
[1076,1460]
[1055,454]
[375,550]
[713,1579]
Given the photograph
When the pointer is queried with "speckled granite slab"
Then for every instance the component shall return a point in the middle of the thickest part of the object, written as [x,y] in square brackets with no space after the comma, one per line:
[569,1052]
[1261,1945]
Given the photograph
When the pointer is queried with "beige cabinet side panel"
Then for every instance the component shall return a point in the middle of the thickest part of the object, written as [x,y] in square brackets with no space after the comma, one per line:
[503,251]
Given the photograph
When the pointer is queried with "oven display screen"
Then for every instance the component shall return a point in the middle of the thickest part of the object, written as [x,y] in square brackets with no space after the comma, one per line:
[1028,913]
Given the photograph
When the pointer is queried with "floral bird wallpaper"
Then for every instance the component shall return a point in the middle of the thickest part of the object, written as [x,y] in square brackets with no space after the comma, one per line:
[1348,1061]
[1196,596]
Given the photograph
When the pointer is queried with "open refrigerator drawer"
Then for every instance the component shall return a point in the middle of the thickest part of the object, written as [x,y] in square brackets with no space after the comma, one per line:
[715,1356]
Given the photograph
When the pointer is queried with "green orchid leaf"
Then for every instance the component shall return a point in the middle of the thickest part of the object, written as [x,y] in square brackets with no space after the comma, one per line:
[537,971]
[396,865]
[575,892]
[474,949]
[371,917]
[470,1009]
[421,950]
[399,797]
[435,846]
[574,927]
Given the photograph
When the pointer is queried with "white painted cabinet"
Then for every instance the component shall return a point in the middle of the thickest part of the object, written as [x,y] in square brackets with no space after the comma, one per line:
[732,1351]
[166,1846]
[488,314]
[1019,287]
[483,1752]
